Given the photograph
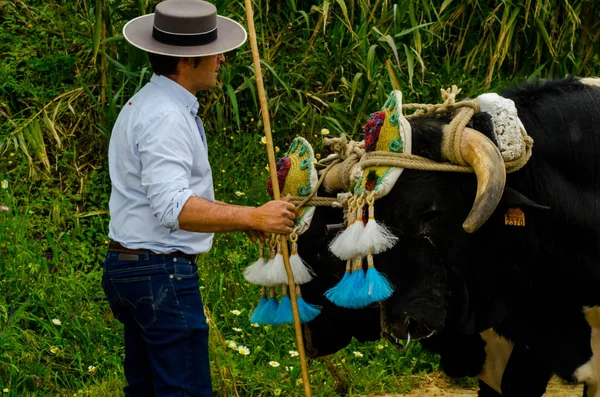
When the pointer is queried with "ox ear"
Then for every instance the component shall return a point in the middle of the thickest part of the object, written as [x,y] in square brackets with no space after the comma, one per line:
[482,122]
[513,198]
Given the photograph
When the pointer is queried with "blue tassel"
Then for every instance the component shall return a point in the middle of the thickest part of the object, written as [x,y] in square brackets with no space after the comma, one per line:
[376,286]
[284,312]
[267,315]
[357,283]
[307,311]
[334,293]
[349,296]
[256,316]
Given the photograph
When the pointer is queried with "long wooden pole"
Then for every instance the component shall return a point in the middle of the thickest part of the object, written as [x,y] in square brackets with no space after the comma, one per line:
[276,194]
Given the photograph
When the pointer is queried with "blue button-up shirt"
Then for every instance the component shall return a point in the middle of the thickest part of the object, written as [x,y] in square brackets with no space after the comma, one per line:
[157,159]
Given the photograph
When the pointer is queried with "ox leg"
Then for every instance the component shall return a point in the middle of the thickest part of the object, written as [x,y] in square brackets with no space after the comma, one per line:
[497,353]
[460,354]
[526,374]
[589,372]
[592,316]
[486,391]
[341,385]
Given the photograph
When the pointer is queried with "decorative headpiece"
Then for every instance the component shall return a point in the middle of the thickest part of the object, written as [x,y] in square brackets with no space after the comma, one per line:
[386,131]
[296,176]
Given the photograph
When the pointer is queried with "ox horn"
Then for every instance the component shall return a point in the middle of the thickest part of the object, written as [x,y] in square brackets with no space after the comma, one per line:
[484,157]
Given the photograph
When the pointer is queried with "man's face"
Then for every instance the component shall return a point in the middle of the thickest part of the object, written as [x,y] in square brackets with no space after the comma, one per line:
[205,73]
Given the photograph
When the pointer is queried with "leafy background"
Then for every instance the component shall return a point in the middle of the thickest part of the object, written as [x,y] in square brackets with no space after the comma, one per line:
[67,71]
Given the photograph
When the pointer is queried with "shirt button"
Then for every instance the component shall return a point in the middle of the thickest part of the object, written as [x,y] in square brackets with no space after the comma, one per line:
[170,276]
[174,259]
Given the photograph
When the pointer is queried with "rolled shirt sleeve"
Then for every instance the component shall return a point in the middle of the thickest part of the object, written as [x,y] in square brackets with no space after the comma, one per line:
[166,155]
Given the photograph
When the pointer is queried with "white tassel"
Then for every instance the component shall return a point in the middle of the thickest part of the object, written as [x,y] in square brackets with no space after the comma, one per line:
[345,245]
[252,273]
[255,272]
[337,246]
[376,237]
[264,275]
[276,272]
[302,273]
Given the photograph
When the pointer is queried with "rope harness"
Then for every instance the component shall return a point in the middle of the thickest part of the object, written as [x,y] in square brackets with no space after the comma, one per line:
[350,153]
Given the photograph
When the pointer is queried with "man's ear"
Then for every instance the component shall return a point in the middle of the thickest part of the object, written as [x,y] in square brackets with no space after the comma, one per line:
[186,61]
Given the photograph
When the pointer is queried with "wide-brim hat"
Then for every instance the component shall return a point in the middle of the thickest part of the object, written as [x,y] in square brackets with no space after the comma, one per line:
[184,28]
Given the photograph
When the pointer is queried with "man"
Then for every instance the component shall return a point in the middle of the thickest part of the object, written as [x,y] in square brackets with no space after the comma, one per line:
[162,205]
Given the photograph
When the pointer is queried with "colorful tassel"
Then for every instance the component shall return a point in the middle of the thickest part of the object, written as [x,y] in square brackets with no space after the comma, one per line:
[335,293]
[375,236]
[346,292]
[256,316]
[376,286]
[269,311]
[284,311]
[302,272]
[356,284]
[307,311]
[255,272]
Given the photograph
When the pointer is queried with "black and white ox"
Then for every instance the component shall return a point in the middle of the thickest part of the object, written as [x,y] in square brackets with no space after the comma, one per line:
[537,285]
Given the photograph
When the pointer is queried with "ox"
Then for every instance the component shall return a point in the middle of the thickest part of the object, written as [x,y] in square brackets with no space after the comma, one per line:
[460,355]
[536,284]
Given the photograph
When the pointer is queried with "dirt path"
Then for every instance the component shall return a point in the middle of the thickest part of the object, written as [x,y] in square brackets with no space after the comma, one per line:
[439,386]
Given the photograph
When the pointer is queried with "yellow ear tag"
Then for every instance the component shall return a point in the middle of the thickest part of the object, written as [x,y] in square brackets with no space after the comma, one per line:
[514,217]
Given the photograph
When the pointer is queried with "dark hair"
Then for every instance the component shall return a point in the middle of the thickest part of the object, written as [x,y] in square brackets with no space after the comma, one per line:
[165,64]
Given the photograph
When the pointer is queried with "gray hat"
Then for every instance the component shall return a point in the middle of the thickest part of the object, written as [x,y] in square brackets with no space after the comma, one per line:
[184,28]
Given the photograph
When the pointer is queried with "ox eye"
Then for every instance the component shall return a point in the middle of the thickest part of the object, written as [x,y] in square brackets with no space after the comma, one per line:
[430,216]
[426,221]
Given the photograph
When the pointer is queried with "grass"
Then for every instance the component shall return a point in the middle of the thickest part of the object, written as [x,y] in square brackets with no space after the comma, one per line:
[67,72]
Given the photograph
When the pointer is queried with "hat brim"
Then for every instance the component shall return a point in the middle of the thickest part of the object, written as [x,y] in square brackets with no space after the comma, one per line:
[138,32]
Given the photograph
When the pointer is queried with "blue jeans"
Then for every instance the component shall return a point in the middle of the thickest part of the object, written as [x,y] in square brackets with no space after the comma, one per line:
[157,299]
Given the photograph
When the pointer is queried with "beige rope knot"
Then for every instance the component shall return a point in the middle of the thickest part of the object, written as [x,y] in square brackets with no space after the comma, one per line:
[344,148]
[449,94]
[338,146]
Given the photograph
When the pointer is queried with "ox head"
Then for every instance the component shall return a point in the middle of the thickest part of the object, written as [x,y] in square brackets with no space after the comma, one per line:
[446,236]
[335,327]
[452,258]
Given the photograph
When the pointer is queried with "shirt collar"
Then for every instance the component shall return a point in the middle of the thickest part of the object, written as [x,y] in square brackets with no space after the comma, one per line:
[180,94]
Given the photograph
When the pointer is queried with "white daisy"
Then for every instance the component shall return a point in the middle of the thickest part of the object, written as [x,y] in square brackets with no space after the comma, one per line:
[243,350]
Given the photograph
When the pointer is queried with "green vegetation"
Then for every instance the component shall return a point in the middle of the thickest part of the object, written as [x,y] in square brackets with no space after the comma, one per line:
[66,73]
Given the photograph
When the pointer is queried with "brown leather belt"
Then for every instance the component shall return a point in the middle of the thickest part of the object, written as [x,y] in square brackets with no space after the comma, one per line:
[117,247]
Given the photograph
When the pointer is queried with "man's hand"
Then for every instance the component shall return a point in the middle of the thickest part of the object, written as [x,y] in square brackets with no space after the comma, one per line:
[275,216]
[255,235]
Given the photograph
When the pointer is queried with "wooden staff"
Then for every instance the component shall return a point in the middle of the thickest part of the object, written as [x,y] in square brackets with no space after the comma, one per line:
[276,194]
